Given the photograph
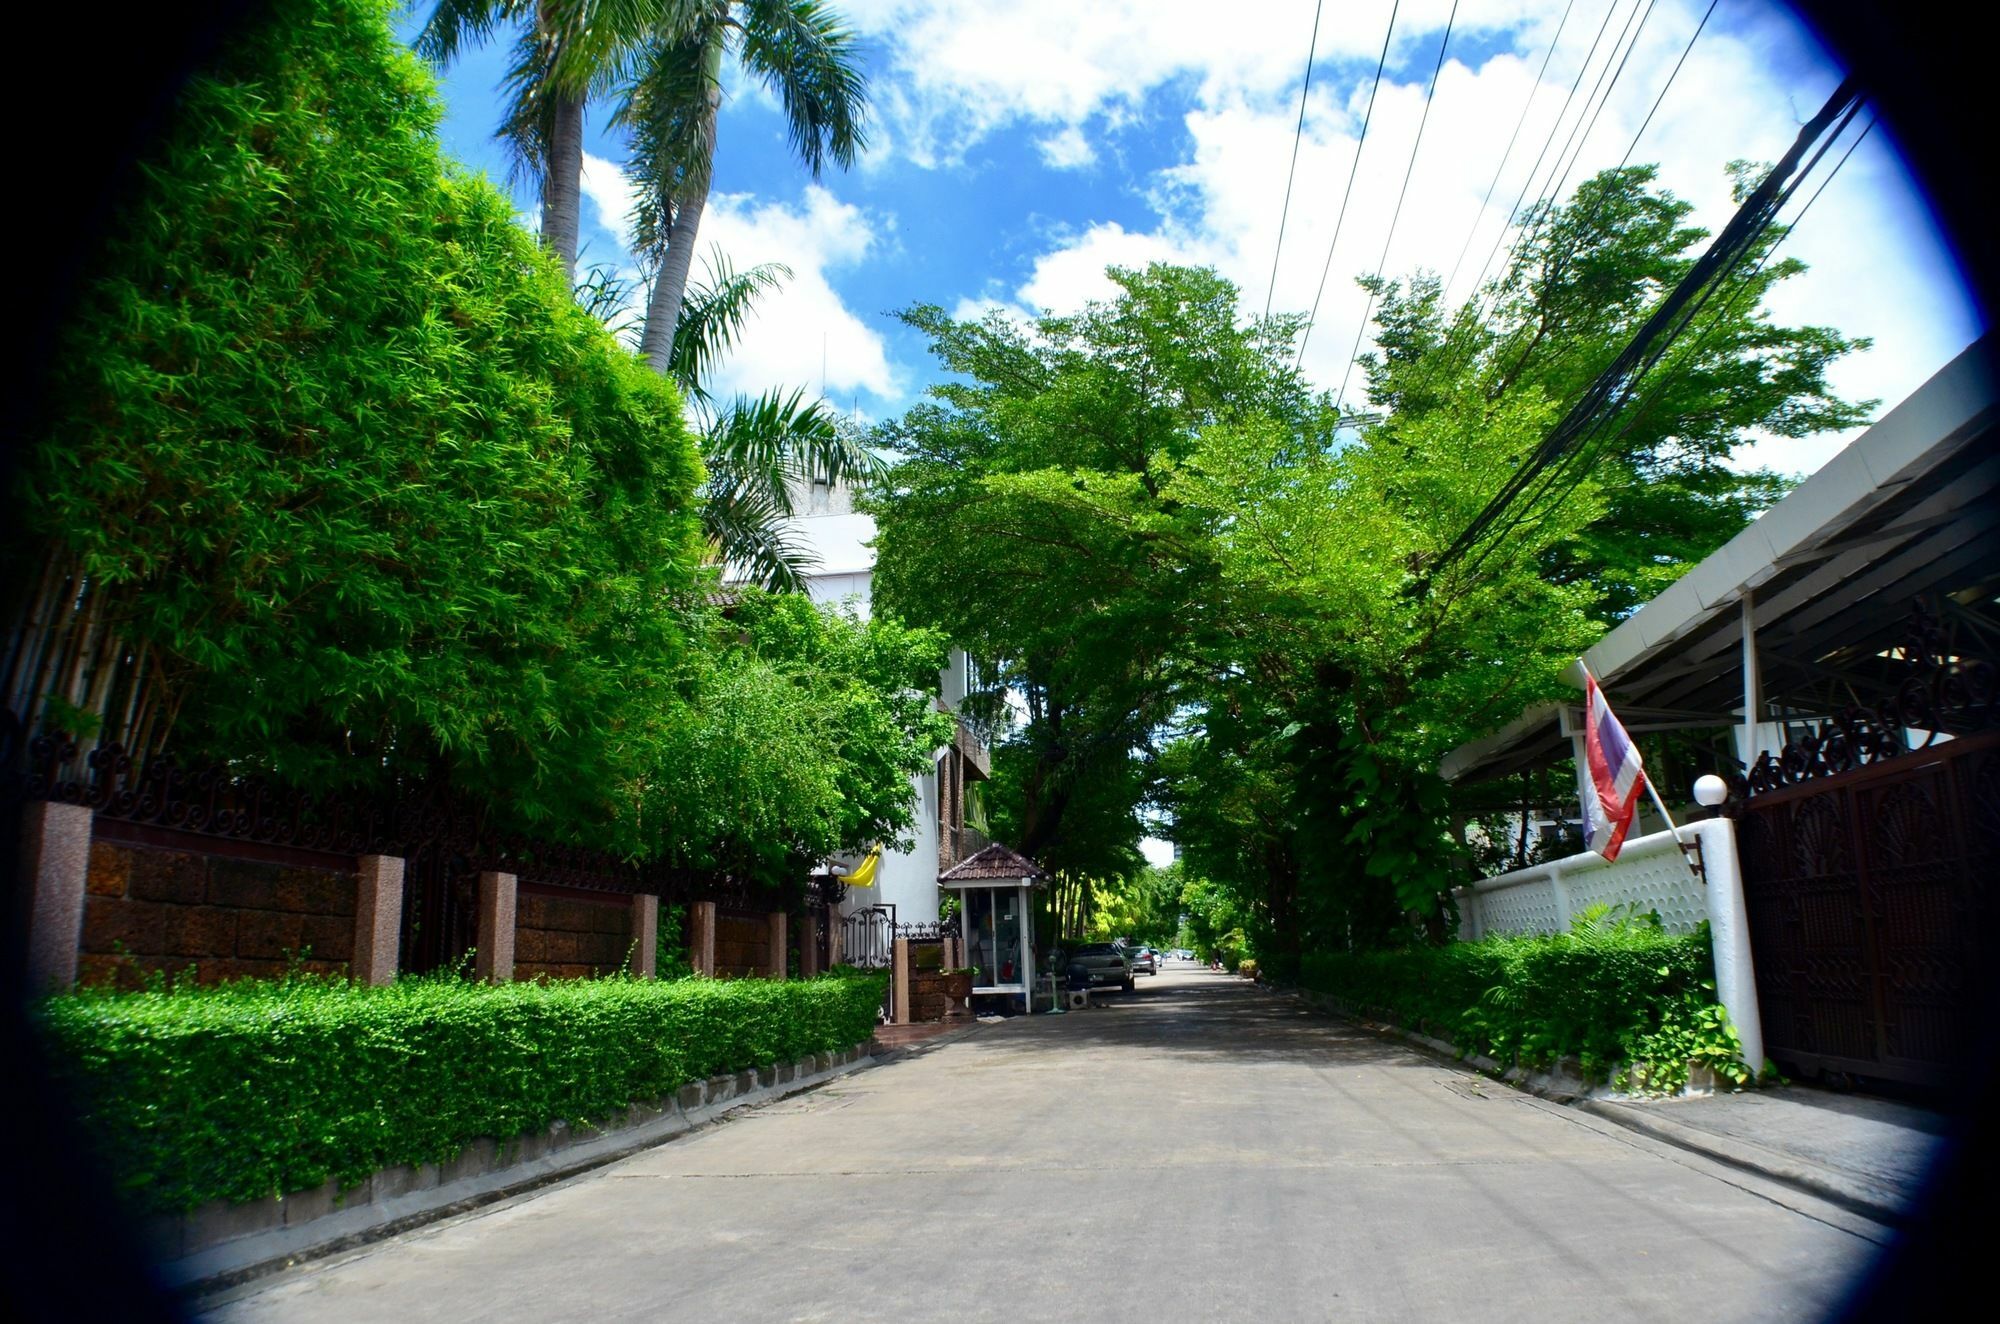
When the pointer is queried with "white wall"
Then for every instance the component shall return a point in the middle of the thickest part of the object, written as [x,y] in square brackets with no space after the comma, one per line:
[1650,874]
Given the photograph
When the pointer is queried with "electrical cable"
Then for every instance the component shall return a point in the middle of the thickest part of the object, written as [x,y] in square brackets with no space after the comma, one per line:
[1507,155]
[1354,166]
[1598,203]
[1752,218]
[1284,213]
[1430,94]
[1588,447]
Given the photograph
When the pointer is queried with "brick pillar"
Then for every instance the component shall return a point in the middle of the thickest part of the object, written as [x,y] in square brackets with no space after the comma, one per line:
[900,964]
[378,919]
[495,962]
[645,935]
[775,959]
[701,937]
[809,945]
[55,865]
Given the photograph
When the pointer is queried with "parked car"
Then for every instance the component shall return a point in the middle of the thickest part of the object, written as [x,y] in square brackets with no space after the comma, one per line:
[1144,961]
[1101,963]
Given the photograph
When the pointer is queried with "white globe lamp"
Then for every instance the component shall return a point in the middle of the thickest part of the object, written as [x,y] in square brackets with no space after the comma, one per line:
[1710,790]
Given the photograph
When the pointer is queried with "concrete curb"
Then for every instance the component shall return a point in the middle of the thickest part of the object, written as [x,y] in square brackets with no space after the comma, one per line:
[1571,1090]
[314,1224]
[1837,1188]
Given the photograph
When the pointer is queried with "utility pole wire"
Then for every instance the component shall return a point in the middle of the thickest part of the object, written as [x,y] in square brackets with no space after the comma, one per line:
[1596,207]
[1353,167]
[1507,155]
[1284,213]
[1430,94]
[1647,344]
[1732,301]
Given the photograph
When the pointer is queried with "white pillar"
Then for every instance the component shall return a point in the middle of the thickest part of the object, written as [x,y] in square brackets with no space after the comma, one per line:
[1729,934]
[1753,682]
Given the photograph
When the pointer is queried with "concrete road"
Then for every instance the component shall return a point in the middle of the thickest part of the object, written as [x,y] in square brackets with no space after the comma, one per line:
[1198,1150]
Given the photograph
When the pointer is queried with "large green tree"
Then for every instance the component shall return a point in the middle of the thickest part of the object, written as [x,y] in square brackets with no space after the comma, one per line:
[1184,561]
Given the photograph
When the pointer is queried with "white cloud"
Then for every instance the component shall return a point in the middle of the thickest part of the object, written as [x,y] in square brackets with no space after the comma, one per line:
[1876,268]
[800,335]
[804,331]
[1068,150]
[958,70]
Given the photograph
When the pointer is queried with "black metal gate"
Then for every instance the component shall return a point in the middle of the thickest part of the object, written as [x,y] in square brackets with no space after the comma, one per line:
[1870,893]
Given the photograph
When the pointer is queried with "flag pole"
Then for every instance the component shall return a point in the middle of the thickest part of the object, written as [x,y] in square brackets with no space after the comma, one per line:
[1661,805]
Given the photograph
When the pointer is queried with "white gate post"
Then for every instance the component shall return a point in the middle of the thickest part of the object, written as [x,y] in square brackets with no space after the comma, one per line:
[1729,935]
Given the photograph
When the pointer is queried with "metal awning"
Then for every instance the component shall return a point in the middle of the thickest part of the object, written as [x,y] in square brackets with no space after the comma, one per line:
[1823,582]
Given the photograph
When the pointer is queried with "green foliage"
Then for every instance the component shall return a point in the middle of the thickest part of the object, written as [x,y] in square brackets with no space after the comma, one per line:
[262,1088]
[348,461]
[801,729]
[1612,993]
[1186,564]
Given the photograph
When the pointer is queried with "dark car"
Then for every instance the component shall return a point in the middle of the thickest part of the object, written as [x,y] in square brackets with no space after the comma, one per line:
[1098,964]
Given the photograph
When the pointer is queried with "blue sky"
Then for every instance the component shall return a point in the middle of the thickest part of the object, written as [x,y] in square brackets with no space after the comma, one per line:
[1017,149]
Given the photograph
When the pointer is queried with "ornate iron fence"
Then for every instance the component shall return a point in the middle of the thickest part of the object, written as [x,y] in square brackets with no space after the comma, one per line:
[1867,851]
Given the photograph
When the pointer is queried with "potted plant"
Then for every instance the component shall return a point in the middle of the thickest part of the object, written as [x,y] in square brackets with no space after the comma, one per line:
[957,989]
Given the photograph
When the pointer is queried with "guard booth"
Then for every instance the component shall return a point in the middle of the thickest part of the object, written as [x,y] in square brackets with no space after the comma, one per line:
[995,890]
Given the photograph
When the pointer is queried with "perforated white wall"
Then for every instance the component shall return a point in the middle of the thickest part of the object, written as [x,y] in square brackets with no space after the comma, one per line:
[1650,874]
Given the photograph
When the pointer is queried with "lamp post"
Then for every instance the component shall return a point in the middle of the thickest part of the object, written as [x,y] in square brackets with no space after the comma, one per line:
[1710,791]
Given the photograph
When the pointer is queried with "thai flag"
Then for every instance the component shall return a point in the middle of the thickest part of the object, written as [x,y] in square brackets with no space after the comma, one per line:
[1615,774]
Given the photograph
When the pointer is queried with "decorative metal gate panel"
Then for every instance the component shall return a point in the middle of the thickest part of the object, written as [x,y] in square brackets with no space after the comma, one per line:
[1870,892]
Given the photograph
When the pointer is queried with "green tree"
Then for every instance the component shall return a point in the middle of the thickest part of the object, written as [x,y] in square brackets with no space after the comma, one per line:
[340,483]
[1183,562]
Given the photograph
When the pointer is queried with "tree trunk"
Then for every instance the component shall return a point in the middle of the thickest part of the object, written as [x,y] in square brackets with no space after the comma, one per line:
[663,310]
[562,183]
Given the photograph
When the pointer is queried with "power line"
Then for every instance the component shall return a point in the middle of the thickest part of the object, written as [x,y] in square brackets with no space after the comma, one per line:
[1732,302]
[1597,204]
[1507,155]
[1582,139]
[1676,73]
[1340,218]
[1614,385]
[1571,464]
[1528,183]
[1430,94]
[1284,213]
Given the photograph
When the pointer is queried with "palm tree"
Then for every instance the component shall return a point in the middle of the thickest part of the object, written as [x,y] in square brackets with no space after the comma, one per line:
[759,451]
[800,49]
[566,52]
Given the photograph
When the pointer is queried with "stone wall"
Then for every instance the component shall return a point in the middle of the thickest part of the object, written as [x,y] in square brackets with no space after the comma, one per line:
[153,910]
[742,945]
[564,939]
[927,999]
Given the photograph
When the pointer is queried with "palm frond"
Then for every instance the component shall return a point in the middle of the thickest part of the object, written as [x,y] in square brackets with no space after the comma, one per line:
[661,107]
[714,314]
[779,440]
[748,535]
[806,54]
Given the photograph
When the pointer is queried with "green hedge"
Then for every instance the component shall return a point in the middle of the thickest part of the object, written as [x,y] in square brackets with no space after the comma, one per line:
[1610,995]
[259,1088]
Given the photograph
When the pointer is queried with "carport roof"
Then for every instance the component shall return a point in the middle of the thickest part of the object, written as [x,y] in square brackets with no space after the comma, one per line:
[1905,512]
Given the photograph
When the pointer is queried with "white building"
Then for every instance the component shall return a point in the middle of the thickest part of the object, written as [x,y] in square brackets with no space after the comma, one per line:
[905,883]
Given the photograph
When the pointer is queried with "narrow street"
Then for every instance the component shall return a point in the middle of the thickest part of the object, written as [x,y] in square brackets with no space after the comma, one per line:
[1198,1150]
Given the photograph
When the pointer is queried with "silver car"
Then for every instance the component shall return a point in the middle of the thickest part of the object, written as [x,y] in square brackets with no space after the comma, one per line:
[1145,961]
[1100,964]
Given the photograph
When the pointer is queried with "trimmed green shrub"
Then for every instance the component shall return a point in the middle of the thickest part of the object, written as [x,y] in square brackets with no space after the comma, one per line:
[257,1088]
[1609,995]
